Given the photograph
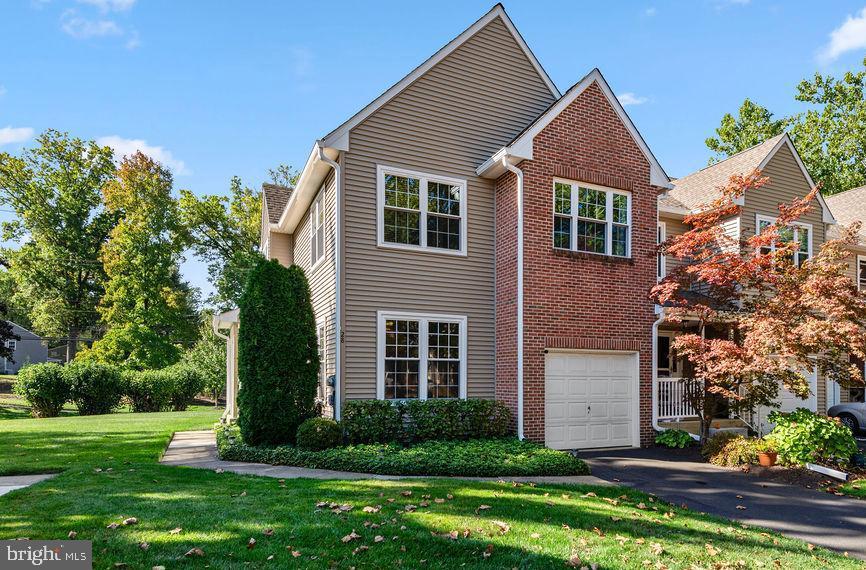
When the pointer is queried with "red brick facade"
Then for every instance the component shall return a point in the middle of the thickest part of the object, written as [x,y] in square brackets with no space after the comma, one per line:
[575,300]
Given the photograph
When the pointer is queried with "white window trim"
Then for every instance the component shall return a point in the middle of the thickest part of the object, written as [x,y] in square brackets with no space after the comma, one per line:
[322,325]
[424,318]
[318,203]
[661,260]
[608,214]
[761,218]
[860,259]
[381,171]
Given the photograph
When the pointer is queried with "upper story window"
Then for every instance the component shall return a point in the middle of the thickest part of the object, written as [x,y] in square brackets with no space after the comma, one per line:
[421,356]
[798,233]
[591,218]
[317,229]
[661,262]
[861,272]
[421,211]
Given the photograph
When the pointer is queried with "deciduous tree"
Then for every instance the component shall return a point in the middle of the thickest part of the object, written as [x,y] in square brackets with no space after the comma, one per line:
[753,125]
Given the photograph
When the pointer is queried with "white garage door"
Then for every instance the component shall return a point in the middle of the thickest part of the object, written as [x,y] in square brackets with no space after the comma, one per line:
[590,400]
[788,402]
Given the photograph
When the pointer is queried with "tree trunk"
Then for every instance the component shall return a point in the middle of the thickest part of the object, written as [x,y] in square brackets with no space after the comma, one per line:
[72,344]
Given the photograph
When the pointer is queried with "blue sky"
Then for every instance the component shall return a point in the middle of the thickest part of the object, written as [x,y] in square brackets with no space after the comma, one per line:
[215,89]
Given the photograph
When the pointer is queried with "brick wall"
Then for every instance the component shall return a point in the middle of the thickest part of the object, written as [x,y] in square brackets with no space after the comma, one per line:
[575,300]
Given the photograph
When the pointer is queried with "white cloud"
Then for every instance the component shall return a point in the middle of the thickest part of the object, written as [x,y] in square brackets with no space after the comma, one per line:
[110,5]
[651,11]
[630,98]
[851,35]
[124,147]
[2,91]
[82,28]
[9,135]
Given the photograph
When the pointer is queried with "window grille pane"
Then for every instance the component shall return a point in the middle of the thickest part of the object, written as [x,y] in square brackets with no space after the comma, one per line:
[402,192]
[562,232]
[562,198]
[402,360]
[592,204]
[443,232]
[620,209]
[591,236]
[443,365]
[443,198]
[619,240]
[402,227]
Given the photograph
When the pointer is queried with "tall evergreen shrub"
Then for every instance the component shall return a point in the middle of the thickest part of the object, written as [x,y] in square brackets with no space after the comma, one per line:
[278,359]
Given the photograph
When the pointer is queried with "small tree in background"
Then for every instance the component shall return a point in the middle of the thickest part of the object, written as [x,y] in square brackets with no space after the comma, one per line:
[278,360]
[208,357]
[762,318]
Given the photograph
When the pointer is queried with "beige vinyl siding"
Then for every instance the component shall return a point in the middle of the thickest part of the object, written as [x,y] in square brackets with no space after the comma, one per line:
[321,277]
[281,248]
[447,123]
[786,183]
[674,226]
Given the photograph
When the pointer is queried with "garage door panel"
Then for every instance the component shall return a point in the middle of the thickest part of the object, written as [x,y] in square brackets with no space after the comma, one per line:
[589,400]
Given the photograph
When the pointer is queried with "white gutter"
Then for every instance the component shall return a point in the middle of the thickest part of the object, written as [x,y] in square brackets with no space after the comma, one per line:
[519,173]
[655,388]
[338,325]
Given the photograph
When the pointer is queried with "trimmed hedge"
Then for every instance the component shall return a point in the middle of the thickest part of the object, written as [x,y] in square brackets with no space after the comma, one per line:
[316,434]
[473,458]
[96,388]
[45,387]
[171,388]
[414,421]
[186,383]
[278,355]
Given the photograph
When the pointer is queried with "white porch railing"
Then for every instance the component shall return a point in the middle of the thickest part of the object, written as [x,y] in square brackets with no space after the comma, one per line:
[672,401]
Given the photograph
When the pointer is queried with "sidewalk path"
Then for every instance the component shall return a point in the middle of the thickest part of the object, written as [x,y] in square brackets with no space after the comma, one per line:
[13,482]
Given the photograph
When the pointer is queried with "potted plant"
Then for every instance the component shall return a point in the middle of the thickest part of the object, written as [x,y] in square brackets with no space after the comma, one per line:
[767,454]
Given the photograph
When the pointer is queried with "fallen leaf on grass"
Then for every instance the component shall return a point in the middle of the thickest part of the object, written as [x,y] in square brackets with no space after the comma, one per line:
[268,532]
[449,496]
[482,508]
[406,493]
[375,509]
[711,550]
[535,535]
[143,545]
[175,530]
[112,526]
[503,527]
[351,536]
[487,551]
[218,471]
[741,508]
[121,565]
[271,557]
[72,534]
[438,501]
[588,495]
[656,548]
[158,568]
[598,531]
[378,538]
[573,561]
[642,506]
[616,519]
[296,553]
[362,548]
[194,552]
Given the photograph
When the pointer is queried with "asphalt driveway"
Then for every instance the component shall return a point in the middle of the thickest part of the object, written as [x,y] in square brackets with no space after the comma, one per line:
[815,516]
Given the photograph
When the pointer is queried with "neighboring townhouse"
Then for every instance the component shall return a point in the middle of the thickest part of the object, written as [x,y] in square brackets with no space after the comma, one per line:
[849,207]
[27,349]
[777,159]
[406,220]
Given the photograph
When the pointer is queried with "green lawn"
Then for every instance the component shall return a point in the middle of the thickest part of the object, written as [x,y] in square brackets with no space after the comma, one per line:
[854,488]
[111,474]
[12,408]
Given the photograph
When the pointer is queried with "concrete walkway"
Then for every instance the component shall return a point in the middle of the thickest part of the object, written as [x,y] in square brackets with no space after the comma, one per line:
[815,516]
[198,449]
[14,482]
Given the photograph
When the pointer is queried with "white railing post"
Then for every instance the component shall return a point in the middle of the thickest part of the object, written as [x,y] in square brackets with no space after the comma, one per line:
[673,404]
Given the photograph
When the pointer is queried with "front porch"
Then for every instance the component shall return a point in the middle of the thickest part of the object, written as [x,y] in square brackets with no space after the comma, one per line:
[674,411]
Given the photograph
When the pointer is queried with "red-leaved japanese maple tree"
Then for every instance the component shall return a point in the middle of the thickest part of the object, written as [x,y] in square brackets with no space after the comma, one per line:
[759,315]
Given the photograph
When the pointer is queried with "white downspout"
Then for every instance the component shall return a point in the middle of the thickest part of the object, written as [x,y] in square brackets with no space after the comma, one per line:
[229,365]
[519,173]
[338,232]
[655,388]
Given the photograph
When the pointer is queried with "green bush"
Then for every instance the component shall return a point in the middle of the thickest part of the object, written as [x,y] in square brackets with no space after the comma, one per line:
[372,421]
[132,346]
[675,438]
[44,387]
[208,357]
[732,450]
[278,356]
[148,390]
[316,434]
[803,437]
[413,421]
[186,383]
[473,458]
[96,388]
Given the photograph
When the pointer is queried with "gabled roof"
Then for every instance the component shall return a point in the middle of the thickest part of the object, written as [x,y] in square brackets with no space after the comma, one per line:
[849,206]
[339,137]
[521,147]
[274,200]
[698,189]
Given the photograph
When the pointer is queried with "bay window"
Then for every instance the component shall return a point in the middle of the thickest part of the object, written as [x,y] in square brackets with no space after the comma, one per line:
[591,219]
[421,211]
[421,356]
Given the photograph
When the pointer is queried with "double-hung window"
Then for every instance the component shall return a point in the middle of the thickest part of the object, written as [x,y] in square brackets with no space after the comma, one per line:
[591,219]
[421,211]
[661,262]
[317,229]
[421,356]
[861,272]
[321,332]
[798,233]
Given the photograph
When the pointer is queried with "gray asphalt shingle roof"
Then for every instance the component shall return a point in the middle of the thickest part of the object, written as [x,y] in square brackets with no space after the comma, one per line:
[275,199]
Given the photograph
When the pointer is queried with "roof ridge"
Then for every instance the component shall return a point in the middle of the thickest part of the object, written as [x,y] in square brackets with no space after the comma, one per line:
[736,154]
[837,194]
